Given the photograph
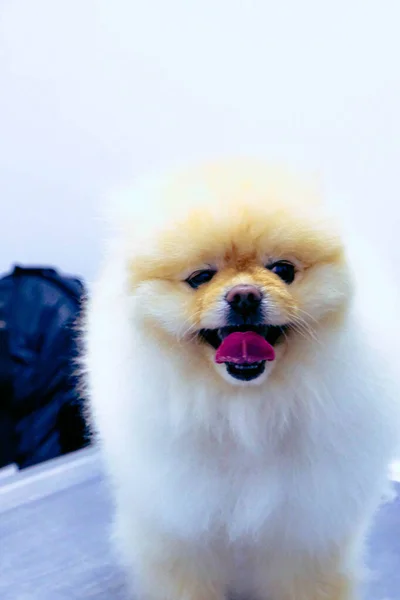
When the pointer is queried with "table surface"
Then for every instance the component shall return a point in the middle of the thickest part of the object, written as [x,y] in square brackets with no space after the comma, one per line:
[54,527]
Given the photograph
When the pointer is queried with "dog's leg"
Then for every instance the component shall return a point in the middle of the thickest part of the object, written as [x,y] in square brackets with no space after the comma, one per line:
[160,567]
[319,579]
[176,578]
[333,587]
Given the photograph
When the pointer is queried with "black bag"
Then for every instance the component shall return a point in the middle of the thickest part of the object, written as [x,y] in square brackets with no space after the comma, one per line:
[41,413]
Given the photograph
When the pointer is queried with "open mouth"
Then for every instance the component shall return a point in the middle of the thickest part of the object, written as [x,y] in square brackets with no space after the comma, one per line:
[244,349]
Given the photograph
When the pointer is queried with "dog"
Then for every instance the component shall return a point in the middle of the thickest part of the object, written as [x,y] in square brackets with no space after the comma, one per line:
[239,363]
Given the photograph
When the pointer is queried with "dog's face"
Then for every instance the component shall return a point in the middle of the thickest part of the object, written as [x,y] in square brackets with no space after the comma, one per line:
[239,274]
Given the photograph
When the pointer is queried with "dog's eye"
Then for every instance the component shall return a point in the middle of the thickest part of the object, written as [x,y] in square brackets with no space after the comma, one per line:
[285,270]
[199,277]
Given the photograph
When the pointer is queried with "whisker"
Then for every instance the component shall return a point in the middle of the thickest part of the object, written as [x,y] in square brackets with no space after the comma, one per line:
[307,315]
[191,329]
[302,327]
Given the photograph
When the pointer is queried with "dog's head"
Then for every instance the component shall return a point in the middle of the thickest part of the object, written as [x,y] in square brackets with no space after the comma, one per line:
[233,264]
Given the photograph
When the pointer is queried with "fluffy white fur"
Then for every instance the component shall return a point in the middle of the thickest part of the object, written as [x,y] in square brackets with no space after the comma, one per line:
[266,490]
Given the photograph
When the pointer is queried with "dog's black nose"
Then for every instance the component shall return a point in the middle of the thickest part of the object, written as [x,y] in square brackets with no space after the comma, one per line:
[244,300]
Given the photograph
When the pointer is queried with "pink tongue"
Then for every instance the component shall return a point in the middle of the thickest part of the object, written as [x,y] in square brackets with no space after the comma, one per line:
[244,348]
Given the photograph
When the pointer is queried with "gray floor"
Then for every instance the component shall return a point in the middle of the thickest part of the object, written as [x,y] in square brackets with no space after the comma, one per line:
[53,537]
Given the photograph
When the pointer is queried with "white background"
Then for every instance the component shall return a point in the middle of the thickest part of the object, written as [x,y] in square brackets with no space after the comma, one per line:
[93,92]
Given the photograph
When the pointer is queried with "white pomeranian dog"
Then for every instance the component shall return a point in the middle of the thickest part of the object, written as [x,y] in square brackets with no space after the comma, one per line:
[239,361]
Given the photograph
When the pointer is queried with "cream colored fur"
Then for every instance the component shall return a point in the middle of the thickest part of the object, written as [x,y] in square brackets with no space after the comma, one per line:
[265,489]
